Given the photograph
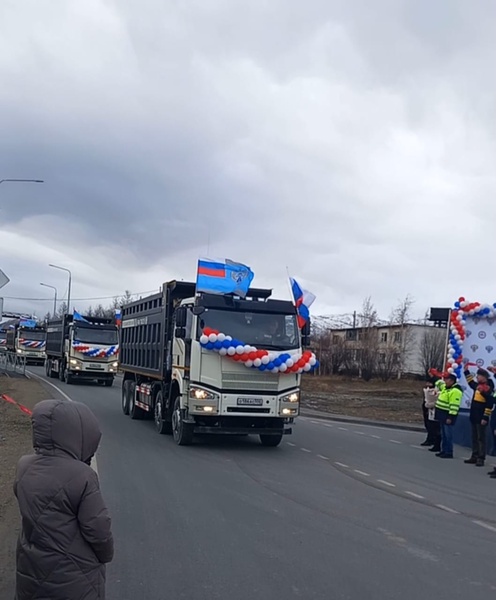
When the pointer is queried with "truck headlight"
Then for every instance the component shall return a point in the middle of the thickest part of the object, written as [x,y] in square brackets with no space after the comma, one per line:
[115,364]
[293,397]
[201,394]
[19,351]
[73,361]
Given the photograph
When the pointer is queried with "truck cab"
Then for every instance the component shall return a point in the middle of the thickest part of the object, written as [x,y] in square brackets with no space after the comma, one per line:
[28,342]
[82,349]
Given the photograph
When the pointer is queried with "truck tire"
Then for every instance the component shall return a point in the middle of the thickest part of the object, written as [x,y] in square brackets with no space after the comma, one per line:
[135,412]
[162,426]
[271,440]
[125,397]
[181,431]
[68,377]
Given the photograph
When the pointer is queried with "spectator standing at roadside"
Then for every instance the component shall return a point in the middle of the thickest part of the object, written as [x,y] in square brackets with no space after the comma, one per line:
[429,410]
[447,408]
[480,413]
[65,539]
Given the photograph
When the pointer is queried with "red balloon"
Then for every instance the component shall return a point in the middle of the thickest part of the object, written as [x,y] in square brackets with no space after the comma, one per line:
[461,299]
[252,355]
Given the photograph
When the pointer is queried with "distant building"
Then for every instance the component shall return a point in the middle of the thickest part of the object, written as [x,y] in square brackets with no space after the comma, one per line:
[395,350]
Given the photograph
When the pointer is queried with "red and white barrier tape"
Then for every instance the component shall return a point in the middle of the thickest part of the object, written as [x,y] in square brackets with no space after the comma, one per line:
[21,407]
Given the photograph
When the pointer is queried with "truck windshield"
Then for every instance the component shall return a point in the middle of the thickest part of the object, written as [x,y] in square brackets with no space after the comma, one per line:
[263,330]
[31,334]
[96,335]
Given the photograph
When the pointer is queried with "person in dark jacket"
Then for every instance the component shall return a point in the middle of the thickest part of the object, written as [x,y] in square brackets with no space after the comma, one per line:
[480,413]
[66,537]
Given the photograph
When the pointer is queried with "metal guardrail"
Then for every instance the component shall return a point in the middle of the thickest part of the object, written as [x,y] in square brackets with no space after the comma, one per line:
[10,362]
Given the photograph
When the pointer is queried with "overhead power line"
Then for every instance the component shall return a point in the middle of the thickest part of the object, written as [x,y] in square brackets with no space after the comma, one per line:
[79,299]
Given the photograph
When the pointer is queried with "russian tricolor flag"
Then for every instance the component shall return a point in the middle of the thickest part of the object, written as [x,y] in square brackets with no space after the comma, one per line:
[303,300]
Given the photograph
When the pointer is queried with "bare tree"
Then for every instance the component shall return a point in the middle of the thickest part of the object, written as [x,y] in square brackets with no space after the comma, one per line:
[368,340]
[432,349]
[401,317]
[62,310]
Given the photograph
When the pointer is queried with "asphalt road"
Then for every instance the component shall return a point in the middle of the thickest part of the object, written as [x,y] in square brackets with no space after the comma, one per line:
[337,511]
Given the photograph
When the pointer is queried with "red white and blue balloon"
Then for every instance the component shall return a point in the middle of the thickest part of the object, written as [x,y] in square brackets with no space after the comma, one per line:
[253,358]
[95,351]
[32,343]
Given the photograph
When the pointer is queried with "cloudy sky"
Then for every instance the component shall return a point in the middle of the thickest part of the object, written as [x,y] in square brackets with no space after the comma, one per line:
[351,141]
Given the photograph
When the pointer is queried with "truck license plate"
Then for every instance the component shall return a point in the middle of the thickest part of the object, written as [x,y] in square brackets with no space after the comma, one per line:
[250,401]
[95,366]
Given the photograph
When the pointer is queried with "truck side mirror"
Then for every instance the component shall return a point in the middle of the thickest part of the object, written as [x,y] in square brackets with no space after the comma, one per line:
[180,333]
[181,317]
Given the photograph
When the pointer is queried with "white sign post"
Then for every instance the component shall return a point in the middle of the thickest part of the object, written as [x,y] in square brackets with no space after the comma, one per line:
[4,280]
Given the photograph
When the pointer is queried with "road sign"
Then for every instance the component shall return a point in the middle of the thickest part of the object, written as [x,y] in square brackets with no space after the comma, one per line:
[4,280]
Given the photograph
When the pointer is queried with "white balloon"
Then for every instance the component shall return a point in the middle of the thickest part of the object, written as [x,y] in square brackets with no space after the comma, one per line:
[223,351]
[221,337]
[204,339]
[283,368]
[300,371]
[307,367]
[249,363]
[229,338]
[313,360]
[247,348]
[290,362]
[212,337]
[257,362]
[240,349]
[265,360]
[231,351]
[274,370]
[471,312]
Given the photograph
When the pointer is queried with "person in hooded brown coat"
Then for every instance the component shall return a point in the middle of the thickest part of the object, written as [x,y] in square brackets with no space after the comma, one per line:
[66,536]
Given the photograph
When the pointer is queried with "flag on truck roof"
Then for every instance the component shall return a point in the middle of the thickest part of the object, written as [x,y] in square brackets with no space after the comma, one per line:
[303,300]
[78,317]
[27,323]
[223,276]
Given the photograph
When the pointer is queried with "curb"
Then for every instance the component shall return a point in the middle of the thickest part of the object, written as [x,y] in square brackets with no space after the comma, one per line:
[358,421]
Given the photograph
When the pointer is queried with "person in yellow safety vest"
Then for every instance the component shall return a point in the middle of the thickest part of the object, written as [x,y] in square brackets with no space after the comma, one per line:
[447,407]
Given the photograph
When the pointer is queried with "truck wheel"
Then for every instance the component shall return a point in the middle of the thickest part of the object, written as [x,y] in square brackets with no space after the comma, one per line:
[125,397]
[182,432]
[68,377]
[271,440]
[161,425]
[136,412]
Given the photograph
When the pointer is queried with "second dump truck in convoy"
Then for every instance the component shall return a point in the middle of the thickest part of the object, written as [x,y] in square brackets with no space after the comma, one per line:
[82,349]
[27,339]
[189,385]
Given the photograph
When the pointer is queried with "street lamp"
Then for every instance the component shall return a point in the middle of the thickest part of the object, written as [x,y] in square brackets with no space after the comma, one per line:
[54,297]
[69,289]
[22,180]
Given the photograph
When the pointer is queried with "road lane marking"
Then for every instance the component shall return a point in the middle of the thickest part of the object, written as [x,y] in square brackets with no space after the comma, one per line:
[359,432]
[395,442]
[447,509]
[94,464]
[305,450]
[340,464]
[362,473]
[291,444]
[322,457]
[316,422]
[485,525]
[416,447]
[414,495]
[343,428]
[388,483]
[328,425]
[376,437]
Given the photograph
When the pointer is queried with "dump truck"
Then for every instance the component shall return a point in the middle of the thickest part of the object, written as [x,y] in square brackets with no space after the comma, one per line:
[79,349]
[199,363]
[27,338]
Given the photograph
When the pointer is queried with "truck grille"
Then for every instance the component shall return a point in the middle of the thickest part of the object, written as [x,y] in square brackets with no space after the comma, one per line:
[256,381]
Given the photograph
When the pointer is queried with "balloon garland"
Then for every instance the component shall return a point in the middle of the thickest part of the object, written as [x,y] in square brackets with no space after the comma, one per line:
[253,358]
[463,309]
[32,343]
[95,352]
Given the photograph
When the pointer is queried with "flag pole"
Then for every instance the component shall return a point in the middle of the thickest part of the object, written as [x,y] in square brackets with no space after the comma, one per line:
[290,287]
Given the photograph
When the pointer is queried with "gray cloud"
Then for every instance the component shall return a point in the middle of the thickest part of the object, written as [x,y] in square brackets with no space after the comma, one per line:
[352,142]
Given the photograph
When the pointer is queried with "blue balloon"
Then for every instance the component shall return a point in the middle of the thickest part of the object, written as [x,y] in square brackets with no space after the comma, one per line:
[270,366]
[457,305]
[209,345]
[262,367]
[217,345]
[277,362]
[226,344]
